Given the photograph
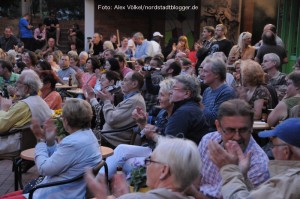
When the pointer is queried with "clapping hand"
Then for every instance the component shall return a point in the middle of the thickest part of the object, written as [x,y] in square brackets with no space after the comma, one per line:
[5,104]
[104,95]
[97,185]
[232,155]
[88,92]
[140,116]
[150,132]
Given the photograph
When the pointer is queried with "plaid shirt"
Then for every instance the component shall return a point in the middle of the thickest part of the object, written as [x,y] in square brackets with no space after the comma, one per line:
[211,182]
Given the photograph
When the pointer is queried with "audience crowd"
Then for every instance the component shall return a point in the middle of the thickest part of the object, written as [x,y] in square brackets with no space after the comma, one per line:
[154,111]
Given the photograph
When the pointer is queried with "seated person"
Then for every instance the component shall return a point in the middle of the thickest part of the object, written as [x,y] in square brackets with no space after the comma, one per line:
[182,123]
[29,106]
[291,99]
[275,78]
[109,81]
[234,122]
[214,75]
[48,92]
[70,157]
[117,117]
[89,77]
[168,177]
[285,180]
[66,71]
[52,27]
[253,89]
[76,36]
[7,77]
[124,154]
[40,36]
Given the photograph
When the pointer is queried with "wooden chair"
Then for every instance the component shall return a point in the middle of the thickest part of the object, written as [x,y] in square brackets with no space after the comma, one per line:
[25,139]
[77,178]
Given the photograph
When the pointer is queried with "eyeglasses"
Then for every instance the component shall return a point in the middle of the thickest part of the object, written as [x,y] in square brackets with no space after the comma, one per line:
[232,131]
[148,161]
[275,145]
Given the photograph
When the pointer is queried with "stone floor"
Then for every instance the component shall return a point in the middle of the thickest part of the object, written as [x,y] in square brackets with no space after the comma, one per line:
[7,176]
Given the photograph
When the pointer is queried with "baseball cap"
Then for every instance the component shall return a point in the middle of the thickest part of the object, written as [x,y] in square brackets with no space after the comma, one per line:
[157,34]
[287,131]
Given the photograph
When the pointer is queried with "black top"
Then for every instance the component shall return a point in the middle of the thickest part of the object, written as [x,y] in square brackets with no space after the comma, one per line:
[7,44]
[223,45]
[98,48]
[48,21]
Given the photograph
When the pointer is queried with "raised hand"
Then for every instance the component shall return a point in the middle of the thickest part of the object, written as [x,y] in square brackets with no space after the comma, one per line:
[88,92]
[104,95]
[244,160]
[5,104]
[97,185]
[150,132]
[219,156]
[36,129]
[140,116]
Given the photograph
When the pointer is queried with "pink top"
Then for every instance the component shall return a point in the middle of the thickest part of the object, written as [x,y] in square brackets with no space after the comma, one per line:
[37,32]
[88,78]
[126,70]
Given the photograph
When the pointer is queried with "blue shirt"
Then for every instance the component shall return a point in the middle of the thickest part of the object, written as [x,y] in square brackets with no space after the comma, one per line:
[24,31]
[144,50]
[67,160]
[212,99]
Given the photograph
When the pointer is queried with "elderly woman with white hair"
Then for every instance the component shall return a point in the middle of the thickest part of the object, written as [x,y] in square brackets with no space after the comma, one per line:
[168,177]
[243,50]
[126,156]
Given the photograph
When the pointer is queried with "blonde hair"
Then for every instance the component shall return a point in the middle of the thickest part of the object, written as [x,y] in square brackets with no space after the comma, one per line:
[241,42]
[251,73]
[108,45]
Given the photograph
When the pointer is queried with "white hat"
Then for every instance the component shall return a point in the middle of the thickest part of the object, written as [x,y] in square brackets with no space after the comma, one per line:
[157,34]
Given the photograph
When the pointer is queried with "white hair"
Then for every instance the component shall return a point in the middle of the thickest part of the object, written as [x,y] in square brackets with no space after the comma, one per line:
[183,158]
[31,79]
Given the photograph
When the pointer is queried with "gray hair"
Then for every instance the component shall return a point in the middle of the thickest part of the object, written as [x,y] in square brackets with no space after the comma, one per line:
[108,44]
[78,113]
[273,57]
[31,79]
[235,107]
[218,67]
[192,84]
[167,85]
[177,153]
[139,35]
[83,53]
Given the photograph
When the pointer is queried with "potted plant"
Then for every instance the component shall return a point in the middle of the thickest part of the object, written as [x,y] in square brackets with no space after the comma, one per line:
[57,119]
[138,179]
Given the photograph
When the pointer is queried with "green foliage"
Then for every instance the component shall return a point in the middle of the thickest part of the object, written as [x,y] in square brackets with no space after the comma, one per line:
[138,178]
[61,132]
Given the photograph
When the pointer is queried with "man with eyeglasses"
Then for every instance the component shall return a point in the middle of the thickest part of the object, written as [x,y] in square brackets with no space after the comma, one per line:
[28,106]
[118,120]
[285,170]
[234,123]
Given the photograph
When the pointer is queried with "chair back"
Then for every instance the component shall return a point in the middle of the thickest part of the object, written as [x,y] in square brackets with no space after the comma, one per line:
[16,140]
[77,178]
